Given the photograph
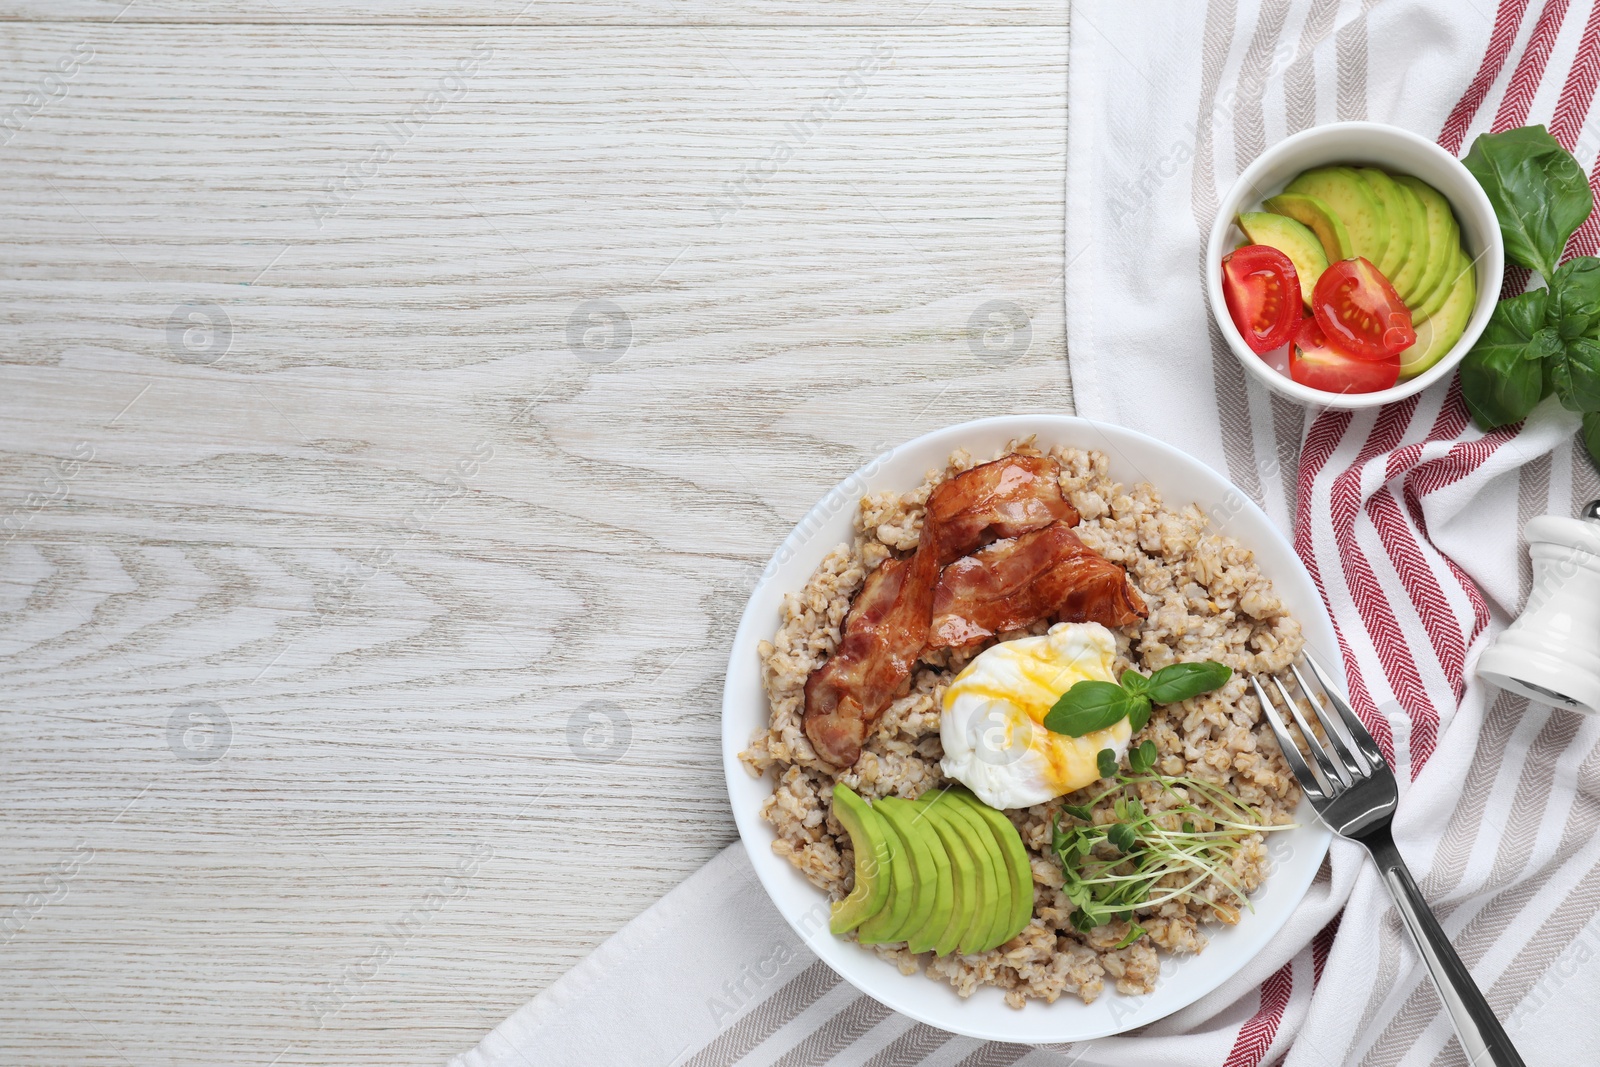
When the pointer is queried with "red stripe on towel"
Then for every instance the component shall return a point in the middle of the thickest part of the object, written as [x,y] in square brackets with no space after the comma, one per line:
[1255,1036]
[1506,21]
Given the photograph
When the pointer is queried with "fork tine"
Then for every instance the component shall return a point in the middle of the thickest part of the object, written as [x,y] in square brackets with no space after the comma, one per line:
[1334,780]
[1369,748]
[1291,752]
[1354,762]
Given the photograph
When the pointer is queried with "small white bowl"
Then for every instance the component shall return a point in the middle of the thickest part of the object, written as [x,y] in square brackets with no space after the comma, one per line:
[1359,144]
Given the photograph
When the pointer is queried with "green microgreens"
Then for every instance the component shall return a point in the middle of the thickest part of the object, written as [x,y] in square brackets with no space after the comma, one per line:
[1138,861]
[1092,705]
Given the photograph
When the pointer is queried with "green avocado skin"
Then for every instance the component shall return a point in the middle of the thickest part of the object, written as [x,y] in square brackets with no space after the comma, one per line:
[1408,279]
[1439,332]
[1001,871]
[1017,866]
[1319,218]
[981,916]
[1352,199]
[930,871]
[945,873]
[870,841]
[1398,211]
[985,933]
[1444,245]
[964,877]
[889,919]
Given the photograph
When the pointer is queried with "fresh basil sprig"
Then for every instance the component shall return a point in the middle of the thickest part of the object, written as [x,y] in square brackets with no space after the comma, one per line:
[1091,705]
[1538,190]
[1502,378]
[1184,680]
[1547,340]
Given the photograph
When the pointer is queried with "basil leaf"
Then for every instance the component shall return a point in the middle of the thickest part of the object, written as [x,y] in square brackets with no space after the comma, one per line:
[1502,378]
[1088,706]
[1515,321]
[1575,373]
[1139,715]
[1573,305]
[1135,683]
[1106,762]
[1181,681]
[1591,436]
[1500,390]
[1538,191]
[1121,835]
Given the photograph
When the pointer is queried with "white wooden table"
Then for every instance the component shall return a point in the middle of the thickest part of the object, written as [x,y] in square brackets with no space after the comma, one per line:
[397,405]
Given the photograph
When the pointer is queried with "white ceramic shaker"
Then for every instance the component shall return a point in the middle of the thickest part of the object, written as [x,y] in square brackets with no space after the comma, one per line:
[1551,654]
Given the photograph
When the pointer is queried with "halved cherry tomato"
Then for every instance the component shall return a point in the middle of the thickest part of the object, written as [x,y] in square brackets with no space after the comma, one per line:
[1360,312]
[1315,361]
[1263,295]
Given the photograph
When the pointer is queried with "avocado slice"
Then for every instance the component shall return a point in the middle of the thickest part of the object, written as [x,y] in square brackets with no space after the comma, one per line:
[1398,211]
[1015,857]
[930,869]
[963,872]
[1439,332]
[1408,278]
[870,842]
[1458,266]
[994,887]
[927,937]
[997,915]
[1293,239]
[885,924]
[1319,218]
[1352,199]
[1444,244]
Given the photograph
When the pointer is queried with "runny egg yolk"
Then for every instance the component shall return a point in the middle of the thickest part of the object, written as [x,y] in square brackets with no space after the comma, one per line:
[992,721]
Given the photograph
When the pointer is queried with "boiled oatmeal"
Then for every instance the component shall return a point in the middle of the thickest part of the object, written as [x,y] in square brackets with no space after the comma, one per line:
[1206,600]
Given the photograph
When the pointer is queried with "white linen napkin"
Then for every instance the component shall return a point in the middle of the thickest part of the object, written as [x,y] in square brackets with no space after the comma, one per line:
[1408,518]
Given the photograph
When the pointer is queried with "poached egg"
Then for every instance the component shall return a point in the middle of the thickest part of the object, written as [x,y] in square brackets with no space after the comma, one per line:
[992,721]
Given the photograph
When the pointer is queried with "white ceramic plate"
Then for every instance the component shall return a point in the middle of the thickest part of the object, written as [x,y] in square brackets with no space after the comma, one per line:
[1134,458]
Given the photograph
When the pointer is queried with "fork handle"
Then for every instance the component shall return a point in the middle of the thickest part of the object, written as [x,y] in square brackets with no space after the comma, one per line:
[1482,1037]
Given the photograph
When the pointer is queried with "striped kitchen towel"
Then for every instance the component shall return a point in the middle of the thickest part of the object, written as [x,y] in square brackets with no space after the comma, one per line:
[1408,518]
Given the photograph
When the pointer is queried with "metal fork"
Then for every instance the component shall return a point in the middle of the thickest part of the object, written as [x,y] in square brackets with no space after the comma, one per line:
[1354,792]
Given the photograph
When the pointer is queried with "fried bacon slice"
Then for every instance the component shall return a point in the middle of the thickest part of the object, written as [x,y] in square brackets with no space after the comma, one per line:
[1006,498]
[1046,574]
[887,628]
[885,632]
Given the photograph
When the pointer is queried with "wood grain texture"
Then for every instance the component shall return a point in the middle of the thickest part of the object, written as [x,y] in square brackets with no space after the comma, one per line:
[757,13]
[363,597]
